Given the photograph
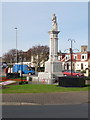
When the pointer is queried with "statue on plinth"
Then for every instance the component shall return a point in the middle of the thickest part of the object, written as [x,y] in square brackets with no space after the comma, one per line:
[53,67]
[54,23]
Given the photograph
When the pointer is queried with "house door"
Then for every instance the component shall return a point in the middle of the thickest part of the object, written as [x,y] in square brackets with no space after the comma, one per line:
[67,66]
[73,66]
[82,66]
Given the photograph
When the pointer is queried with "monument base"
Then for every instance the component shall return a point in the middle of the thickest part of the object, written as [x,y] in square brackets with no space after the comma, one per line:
[53,67]
[46,78]
[52,72]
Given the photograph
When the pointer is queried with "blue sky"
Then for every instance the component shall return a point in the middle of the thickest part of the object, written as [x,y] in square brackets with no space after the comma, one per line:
[33,20]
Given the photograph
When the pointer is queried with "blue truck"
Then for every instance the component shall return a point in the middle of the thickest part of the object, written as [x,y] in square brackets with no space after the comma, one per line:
[23,68]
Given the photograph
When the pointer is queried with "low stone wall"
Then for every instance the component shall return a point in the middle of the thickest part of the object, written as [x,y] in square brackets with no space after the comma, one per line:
[87,82]
[46,77]
[35,78]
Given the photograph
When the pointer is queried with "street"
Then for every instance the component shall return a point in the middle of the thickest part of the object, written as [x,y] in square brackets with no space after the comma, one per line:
[45,111]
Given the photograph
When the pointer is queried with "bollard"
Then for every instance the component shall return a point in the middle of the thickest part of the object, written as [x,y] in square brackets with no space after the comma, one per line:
[20,72]
[28,78]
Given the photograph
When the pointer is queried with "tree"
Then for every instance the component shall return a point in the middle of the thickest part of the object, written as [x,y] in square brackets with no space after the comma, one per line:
[40,54]
[10,56]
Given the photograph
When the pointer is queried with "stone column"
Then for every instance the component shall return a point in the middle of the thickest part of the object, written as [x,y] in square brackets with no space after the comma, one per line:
[53,45]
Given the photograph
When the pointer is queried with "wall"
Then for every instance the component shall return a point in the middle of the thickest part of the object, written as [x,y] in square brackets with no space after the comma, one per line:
[78,65]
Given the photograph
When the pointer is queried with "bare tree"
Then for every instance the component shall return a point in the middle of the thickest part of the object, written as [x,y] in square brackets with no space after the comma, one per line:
[10,56]
[40,54]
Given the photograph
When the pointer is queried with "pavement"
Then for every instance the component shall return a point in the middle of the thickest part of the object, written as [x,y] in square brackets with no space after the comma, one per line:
[59,98]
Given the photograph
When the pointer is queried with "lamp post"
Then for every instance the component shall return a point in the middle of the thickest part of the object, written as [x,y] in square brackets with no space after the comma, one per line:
[16,46]
[71,40]
[22,65]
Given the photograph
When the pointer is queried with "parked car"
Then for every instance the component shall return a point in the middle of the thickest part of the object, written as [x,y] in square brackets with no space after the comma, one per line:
[68,73]
[3,65]
[23,68]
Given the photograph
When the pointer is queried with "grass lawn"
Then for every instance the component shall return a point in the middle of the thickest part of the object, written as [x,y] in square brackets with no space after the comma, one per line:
[40,88]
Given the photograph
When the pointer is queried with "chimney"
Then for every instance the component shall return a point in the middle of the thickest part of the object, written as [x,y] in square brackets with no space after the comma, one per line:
[84,48]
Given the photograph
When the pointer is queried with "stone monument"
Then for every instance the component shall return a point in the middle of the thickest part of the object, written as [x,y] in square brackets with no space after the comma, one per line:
[53,67]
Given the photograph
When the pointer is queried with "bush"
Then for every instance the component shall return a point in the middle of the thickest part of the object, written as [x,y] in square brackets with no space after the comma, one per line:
[26,82]
[23,82]
[84,71]
[89,73]
[30,78]
[40,69]
[71,81]
[78,70]
[87,78]
[10,66]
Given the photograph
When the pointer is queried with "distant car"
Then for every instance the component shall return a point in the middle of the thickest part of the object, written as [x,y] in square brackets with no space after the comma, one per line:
[68,73]
[3,65]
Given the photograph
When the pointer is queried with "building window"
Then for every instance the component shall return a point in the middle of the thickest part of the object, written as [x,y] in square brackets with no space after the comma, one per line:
[67,66]
[81,65]
[83,57]
[75,57]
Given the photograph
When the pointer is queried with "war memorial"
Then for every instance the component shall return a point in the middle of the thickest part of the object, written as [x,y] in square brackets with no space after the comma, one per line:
[53,67]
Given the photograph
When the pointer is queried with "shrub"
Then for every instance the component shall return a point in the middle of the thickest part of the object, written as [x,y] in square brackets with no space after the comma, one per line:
[30,78]
[78,70]
[89,73]
[23,82]
[84,71]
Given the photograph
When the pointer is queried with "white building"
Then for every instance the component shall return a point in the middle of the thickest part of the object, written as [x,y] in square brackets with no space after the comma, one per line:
[80,60]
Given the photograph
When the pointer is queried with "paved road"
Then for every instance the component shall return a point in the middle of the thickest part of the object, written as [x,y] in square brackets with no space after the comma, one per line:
[47,98]
[47,111]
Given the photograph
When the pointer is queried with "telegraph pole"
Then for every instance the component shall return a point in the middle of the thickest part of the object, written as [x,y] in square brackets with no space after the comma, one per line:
[71,52]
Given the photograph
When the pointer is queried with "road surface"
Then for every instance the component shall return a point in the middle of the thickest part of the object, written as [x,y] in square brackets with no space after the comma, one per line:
[46,111]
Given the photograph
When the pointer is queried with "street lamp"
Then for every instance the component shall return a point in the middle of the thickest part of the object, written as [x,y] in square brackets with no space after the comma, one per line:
[71,40]
[21,54]
[16,46]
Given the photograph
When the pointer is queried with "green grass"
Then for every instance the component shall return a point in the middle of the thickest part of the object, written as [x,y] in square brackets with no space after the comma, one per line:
[40,88]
